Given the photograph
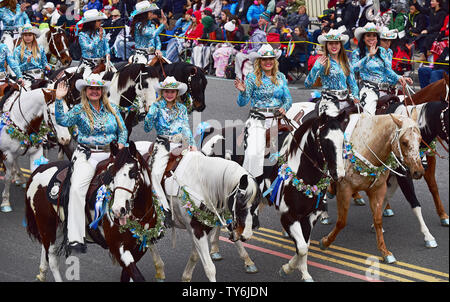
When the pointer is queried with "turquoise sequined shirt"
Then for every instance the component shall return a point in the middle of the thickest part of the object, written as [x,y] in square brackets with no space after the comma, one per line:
[36,63]
[105,128]
[268,95]
[13,20]
[169,121]
[7,56]
[149,37]
[336,80]
[377,69]
[93,47]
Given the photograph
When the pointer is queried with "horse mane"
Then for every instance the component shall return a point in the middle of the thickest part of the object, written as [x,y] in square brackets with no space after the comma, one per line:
[299,133]
[131,72]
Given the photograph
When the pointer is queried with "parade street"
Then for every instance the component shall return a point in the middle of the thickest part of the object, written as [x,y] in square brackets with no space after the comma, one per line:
[353,257]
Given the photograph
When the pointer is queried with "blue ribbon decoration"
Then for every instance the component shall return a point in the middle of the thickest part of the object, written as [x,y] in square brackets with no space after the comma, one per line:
[273,190]
[274,156]
[102,199]
[318,199]
[40,161]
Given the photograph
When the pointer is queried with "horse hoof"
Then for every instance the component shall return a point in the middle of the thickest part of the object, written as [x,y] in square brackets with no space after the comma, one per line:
[285,234]
[282,273]
[251,269]
[308,280]
[444,222]
[325,221]
[6,209]
[160,280]
[389,259]
[322,246]
[216,256]
[431,244]
[388,213]
[330,196]
[359,201]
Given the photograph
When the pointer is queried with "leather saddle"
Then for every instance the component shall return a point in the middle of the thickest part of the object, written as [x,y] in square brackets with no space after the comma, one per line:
[280,128]
[58,182]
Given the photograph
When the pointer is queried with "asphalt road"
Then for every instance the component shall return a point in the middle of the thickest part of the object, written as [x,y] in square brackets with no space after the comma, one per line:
[352,258]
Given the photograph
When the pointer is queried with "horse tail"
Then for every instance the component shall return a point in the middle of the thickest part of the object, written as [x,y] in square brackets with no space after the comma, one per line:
[32,228]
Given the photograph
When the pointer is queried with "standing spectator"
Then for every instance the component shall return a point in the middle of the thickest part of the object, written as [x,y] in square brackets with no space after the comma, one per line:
[117,23]
[242,9]
[364,6]
[345,17]
[255,10]
[299,19]
[51,13]
[175,45]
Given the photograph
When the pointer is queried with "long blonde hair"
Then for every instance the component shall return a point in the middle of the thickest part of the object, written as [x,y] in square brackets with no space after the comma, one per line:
[34,48]
[106,104]
[259,72]
[342,60]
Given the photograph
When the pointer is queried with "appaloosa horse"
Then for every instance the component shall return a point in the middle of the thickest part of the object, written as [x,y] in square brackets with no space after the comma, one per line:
[128,213]
[377,145]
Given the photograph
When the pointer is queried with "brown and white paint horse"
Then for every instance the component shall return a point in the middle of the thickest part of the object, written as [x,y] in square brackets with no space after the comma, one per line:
[128,176]
[383,134]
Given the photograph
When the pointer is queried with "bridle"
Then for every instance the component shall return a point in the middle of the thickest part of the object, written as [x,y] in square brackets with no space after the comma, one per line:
[52,42]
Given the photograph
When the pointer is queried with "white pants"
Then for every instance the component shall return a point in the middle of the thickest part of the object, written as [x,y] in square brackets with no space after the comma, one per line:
[256,145]
[160,160]
[370,99]
[83,172]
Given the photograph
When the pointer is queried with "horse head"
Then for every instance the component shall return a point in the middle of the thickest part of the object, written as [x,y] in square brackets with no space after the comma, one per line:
[196,82]
[330,140]
[62,134]
[242,203]
[58,44]
[129,175]
[406,143]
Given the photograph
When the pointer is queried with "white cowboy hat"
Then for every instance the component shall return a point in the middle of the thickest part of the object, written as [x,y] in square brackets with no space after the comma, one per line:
[92,15]
[93,80]
[265,51]
[368,28]
[143,7]
[333,35]
[171,83]
[30,29]
[387,34]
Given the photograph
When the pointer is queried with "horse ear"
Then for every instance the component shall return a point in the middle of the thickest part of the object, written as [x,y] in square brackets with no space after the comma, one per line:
[397,121]
[414,115]
[193,71]
[243,182]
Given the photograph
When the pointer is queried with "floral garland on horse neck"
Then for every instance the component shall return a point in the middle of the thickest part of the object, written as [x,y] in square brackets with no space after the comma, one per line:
[32,140]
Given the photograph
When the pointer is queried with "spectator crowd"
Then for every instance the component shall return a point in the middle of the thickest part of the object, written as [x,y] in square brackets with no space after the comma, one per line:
[212,33]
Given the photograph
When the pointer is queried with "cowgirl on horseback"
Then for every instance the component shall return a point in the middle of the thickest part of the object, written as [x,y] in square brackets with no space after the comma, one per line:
[13,16]
[99,123]
[374,67]
[145,33]
[333,68]
[31,56]
[169,117]
[93,42]
[267,89]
